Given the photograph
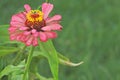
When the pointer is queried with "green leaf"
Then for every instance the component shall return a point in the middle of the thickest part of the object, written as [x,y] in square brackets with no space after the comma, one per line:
[69,63]
[9,69]
[62,57]
[7,50]
[65,61]
[50,53]
[18,74]
[13,69]
[16,77]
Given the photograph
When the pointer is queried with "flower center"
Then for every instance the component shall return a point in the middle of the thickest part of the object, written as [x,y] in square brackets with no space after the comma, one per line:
[35,20]
[35,15]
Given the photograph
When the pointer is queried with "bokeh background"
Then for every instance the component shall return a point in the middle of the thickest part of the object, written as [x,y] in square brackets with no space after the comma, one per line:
[91,33]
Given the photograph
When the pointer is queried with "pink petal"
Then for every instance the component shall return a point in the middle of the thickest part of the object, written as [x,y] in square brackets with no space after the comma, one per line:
[52,27]
[23,28]
[18,37]
[46,28]
[55,26]
[16,24]
[23,38]
[27,33]
[34,31]
[51,34]
[54,18]
[12,36]
[26,38]
[18,20]
[20,17]
[35,42]
[43,36]
[46,9]
[36,34]
[27,7]
[29,41]
[12,29]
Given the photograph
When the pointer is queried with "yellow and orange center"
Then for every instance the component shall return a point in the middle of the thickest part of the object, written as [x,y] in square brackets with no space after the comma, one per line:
[35,20]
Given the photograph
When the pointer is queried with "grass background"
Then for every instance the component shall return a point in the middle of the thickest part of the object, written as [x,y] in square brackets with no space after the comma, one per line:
[90,33]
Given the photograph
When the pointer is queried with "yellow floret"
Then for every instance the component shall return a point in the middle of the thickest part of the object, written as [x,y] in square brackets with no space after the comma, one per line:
[34,15]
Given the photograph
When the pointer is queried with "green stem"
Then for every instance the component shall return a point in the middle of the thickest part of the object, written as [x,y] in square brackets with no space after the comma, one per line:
[28,63]
[18,56]
[40,77]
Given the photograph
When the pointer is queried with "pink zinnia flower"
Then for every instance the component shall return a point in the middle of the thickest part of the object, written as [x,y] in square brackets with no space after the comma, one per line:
[31,25]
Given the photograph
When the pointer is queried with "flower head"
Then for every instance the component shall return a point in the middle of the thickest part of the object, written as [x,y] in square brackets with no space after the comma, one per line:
[30,25]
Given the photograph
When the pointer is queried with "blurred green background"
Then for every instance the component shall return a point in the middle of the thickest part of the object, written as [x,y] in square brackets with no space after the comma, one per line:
[90,33]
